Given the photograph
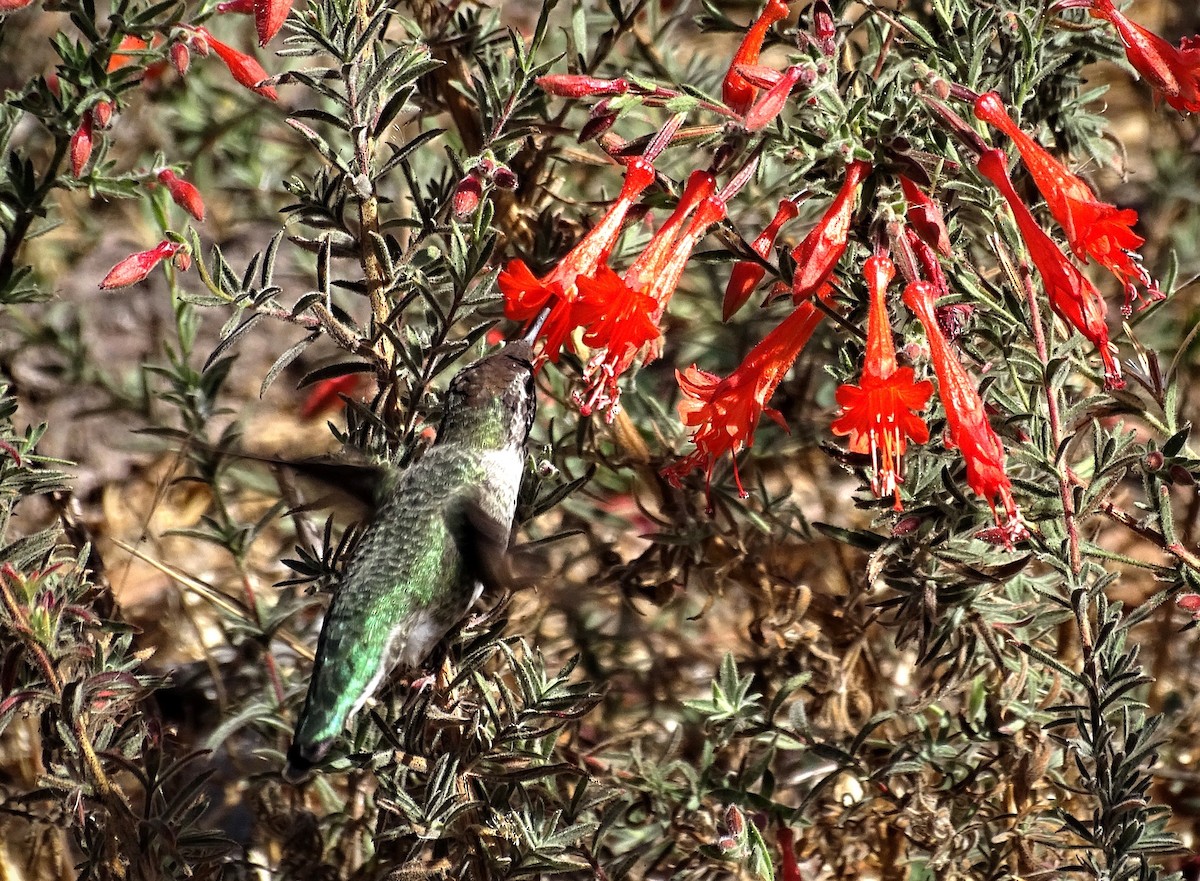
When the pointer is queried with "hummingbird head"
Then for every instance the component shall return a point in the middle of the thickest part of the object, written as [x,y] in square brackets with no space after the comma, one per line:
[492,402]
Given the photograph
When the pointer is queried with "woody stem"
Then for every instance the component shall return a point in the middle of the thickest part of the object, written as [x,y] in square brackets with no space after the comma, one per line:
[1064,483]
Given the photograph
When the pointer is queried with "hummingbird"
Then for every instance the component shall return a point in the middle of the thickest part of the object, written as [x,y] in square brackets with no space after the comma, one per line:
[439,536]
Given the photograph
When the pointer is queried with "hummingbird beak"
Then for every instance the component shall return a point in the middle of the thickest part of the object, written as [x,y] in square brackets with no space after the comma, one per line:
[536,326]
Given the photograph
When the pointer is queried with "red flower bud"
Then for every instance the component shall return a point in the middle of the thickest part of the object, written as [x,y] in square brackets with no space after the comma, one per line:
[181,58]
[53,85]
[102,112]
[769,105]
[504,178]
[467,195]
[600,120]
[269,16]
[81,144]
[824,28]
[237,7]
[746,273]
[137,266]
[244,68]
[566,85]
[925,217]
[184,194]
[198,43]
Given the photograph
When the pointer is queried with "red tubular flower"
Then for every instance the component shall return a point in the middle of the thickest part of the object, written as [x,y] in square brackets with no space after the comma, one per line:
[7,6]
[236,7]
[723,413]
[1094,229]
[817,256]
[925,216]
[746,273]
[736,90]
[622,314]
[244,68]
[1072,297]
[137,266]
[525,295]
[184,194]
[967,424]
[1173,72]
[880,413]
[649,264]
[269,16]
[80,147]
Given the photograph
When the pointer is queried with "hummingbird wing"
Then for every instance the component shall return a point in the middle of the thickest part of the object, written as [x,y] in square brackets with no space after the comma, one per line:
[484,546]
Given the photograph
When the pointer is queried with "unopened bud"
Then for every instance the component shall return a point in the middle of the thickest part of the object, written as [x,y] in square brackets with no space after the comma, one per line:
[181,58]
[102,112]
[953,318]
[1179,474]
[467,194]
[824,28]
[198,42]
[80,148]
[771,103]
[504,178]
[565,85]
[596,126]
[925,217]
[1190,603]
[183,194]
[735,821]
[137,266]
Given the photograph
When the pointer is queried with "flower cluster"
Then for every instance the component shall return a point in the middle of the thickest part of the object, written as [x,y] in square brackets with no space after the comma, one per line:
[614,317]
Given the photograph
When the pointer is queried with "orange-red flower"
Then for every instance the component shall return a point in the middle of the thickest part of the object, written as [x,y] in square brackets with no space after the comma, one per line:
[737,91]
[1094,229]
[269,16]
[1173,72]
[1072,297]
[121,58]
[967,424]
[723,413]
[817,256]
[622,314]
[747,274]
[880,413]
[525,295]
